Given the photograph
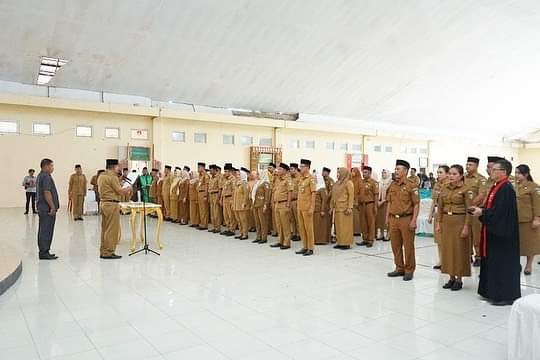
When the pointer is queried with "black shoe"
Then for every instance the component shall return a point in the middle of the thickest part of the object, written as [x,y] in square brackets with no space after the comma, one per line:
[361,243]
[223,232]
[302,251]
[26,213]
[295,238]
[380,238]
[345,247]
[256,241]
[230,233]
[113,257]
[275,235]
[449,284]
[244,237]
[458,285]
[395,274]
[211,230]
[501,303]
[238,237]
[263,241]
[338,246]
[408,277]
[202,228]
[253,230]
[48,257]
[193,225]
[476,263]
[370,244]
[437,267]
[284,247]
[308,253]
[275,245]
[81,219]
[526,272]
[385,240]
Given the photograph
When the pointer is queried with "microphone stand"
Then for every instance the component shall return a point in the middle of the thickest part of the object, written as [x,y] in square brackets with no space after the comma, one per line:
[145,248]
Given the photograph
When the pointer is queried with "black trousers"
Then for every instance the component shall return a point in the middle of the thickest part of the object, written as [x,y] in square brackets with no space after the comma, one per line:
[45,232]
[31,196]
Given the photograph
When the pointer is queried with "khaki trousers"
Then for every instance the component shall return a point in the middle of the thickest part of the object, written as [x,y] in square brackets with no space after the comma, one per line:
[215,211]
[305,228]
[261,222]
[274,222]
[294,217]
[402,241]
[368,222]
[242,216]
[228,213]
[203,210]
[283,216]
[173,206]
[194,213]
[78,206]
[110,228]
[166,207]
[475,234]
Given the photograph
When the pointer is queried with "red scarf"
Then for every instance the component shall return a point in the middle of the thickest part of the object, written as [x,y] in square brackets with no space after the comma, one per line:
[489,204]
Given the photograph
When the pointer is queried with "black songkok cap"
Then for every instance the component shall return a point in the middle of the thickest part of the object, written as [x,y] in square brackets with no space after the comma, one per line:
[272,164]
[294,165]
[305,162]
[494,159]
[111,162]
[473,160]
[403,163]
[201,164]
[177,168]
[284,166]
[186,168]
[245,170]
[154,169]
[368,168]
[228,166]
[168,167]
[326,169]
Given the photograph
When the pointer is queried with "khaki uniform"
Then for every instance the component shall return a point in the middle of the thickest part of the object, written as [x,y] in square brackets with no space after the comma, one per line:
[193,204]
[477,184]
[202,193]
[242,206]
[370,192]
[270,212]
[282,186]
[125,197]
[215,211]
[453,202]
[306,208]
[228,205]
[344,222]
[414,179]
[95,187]
[322,217]
[261,206]
[110,191]
[329,183]
[294,205]
[166,195]
[153,191]
[173,197]
[159,194]
[435,193]
[77,189]
[528,202]
[402,198]
[183,201]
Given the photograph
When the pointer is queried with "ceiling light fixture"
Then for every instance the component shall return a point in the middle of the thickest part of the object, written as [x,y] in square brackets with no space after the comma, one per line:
[48,68]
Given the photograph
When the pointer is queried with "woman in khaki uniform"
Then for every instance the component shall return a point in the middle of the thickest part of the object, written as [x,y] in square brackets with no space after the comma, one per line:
[321,215]
[173,195]
[342,205]
[242,204]
[260,196]
[251,216]
[384,184]
[528,202]
[183,198]
[193,200]
[453,223]
[356,178]
[442,179]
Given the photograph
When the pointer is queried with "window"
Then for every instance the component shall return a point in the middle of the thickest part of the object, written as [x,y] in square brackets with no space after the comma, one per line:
[41,129]
[377,148]
[310,144]
[330,145]
[423,151]
[246,140]
[178,136]
[344,146]
[139,134]
[228,139]
[265,141]
[84,131]
[112,133]
[199,138]
[413,150]
[9,127]
[294,144]
[388,149]
[356,147]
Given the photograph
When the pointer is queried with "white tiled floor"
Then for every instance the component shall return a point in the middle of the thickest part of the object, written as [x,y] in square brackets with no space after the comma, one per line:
[210,297]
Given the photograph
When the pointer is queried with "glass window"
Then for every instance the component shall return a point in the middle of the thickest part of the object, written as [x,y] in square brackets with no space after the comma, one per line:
[377,148]
[139,134]
[388,149]
[9,127]
[178,136]
[112,133]
[294,144]
[246,140]
[310,144]
[423,151]
[228,139]
[199,138]
[356,147]
[344,146]
[330,145]
[265,141]
[84,131]
[41,129]
[413,150]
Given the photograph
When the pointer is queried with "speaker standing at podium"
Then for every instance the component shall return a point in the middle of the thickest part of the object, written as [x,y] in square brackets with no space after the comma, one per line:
[110,193]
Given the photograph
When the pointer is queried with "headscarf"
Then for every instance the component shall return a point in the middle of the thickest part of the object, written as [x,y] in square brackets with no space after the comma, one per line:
[263,178]
[184,175]
[243,176]
[344,175]
[194,177]
[320,182]
[356,180]
[384,184]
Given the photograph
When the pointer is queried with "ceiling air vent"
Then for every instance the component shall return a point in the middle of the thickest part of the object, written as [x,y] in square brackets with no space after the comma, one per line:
[267,115]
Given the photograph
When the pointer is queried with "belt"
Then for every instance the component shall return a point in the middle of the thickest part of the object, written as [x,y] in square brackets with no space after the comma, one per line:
[282,201]
[368,202]
[111,201]
[452,213]
[227,196]
[400,216]
[202,190]
[213,192]
[294,199]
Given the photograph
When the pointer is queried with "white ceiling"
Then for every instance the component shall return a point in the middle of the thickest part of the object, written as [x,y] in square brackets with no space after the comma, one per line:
[455,65]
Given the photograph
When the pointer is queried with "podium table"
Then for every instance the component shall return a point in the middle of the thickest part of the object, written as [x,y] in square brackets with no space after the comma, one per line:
[136,220]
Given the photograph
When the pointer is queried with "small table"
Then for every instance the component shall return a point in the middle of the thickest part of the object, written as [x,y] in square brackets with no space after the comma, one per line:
[524,328]
[137,210]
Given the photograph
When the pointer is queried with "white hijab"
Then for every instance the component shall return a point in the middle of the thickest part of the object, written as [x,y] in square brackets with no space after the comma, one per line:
[194,177]
[320,181]
[263,178]
[243,176]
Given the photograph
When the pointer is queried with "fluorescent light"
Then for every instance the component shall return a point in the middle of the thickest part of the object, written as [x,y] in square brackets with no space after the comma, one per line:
[43,79]
[48,68]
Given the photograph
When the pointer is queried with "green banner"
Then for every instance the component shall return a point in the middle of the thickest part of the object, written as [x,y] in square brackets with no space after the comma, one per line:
[139,153]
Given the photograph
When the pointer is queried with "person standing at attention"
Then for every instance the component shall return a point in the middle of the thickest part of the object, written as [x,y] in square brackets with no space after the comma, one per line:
[29,184]
[93,182]
[166,192]
[242,203]
[341,204]
[322,215]
[370,194]
[307,191]
[111,194]
[202,196]
[77,192]
[403,207]
[528,202]
[145,182]
[414,178]
[476,183]
[260,197]
[281,199]
[47,206]
[382,204]
[442,176]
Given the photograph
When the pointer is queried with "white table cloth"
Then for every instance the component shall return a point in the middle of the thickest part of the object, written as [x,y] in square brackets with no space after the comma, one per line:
[90,203]
[524,329]
[422,224]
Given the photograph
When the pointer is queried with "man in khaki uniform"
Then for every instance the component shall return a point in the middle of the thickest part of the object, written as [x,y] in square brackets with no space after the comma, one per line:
[166,192]
[293,172]
[272,227]
[370,194]
[414,178]
[329,183]
[77,192]
[307,188]
[281,198]
[111,192]
[403,206]
[124,179]
[475,183]
[227,200]
[153,192]
[213,191]
[221,179]
[202,196]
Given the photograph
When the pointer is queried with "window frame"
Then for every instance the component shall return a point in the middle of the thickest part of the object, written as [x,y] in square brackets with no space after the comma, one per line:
[40,133]
[84,126]
[111,128]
